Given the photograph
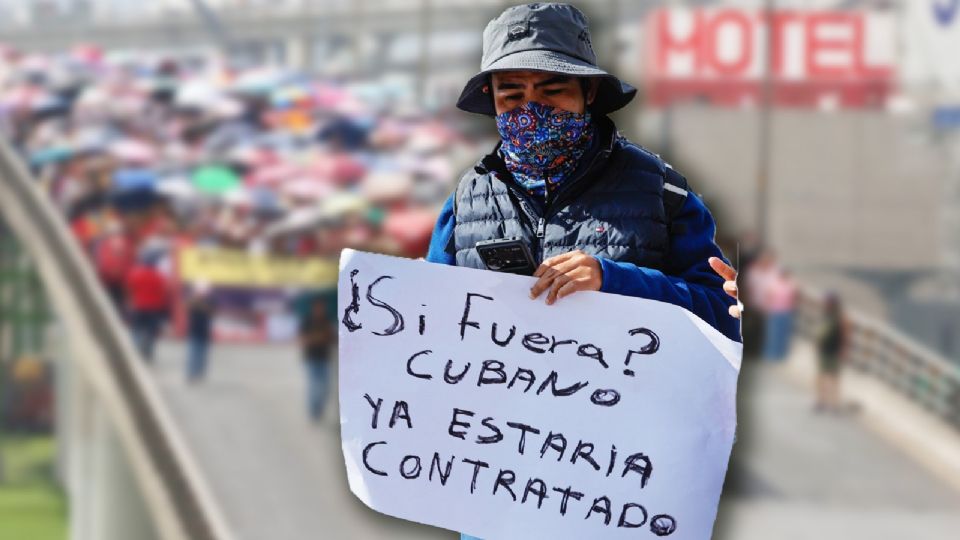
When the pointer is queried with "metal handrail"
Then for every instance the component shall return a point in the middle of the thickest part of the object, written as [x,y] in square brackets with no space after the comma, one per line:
[180,499]
[881,351]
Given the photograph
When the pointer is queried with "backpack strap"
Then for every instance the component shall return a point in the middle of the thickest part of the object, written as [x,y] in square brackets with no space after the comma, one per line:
[674,196]
[675,187]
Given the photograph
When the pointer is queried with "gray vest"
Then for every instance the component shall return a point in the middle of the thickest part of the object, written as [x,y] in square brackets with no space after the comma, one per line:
[616,206]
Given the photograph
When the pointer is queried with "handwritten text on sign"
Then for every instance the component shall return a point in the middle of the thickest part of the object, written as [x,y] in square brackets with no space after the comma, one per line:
[466,405]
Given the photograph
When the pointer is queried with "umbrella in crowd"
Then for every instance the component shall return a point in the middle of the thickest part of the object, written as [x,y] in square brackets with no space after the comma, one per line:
[177,188]
[215,179]
[307,188]
[134,179]
[134,189]
[132,151]
[344,203]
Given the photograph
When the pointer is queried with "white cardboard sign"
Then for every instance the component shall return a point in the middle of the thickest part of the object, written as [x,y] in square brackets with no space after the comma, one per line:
[466,405]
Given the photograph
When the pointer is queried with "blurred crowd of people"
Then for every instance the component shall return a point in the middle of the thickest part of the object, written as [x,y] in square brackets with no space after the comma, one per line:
[145,155]
[261,159]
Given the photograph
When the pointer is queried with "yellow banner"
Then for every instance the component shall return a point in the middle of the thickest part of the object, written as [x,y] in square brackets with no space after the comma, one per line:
[225,267]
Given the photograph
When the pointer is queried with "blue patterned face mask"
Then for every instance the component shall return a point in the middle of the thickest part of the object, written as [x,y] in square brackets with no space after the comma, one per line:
[542,145]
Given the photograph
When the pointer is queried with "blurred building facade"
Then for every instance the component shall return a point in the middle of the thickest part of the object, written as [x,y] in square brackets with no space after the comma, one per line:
[851,172]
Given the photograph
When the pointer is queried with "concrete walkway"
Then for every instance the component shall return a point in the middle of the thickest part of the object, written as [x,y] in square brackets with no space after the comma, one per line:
[800,475]
[796,475]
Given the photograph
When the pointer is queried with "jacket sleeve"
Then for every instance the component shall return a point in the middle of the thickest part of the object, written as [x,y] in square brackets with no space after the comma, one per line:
[438,251]
[689,282]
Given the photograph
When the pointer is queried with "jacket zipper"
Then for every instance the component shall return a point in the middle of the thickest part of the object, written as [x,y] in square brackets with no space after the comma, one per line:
[548,209]
[539,229]
[552,207]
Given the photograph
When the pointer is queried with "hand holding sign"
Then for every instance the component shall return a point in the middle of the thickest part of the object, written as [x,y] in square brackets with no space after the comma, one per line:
[566,274]
[466,406]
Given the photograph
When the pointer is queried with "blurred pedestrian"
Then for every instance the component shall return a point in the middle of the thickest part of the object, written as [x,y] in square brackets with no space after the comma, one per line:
[832,339]
[200,312]
[148,301]
[759,273]
[114,257]
[317,336]
[780,296]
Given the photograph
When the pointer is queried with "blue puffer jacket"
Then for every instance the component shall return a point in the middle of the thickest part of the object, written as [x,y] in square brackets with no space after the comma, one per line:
[613,207]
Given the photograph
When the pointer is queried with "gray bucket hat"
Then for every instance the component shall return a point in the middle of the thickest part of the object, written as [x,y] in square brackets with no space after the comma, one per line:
[541,37]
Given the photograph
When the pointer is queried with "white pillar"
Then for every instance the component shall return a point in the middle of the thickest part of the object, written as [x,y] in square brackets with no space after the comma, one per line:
[76,430]
[119,512]
[105,500]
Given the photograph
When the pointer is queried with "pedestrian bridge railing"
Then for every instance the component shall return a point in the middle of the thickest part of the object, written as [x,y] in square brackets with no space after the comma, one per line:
[885,353]
[129,472]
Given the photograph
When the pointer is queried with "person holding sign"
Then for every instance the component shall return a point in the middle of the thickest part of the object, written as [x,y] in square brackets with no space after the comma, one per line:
[564,196]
